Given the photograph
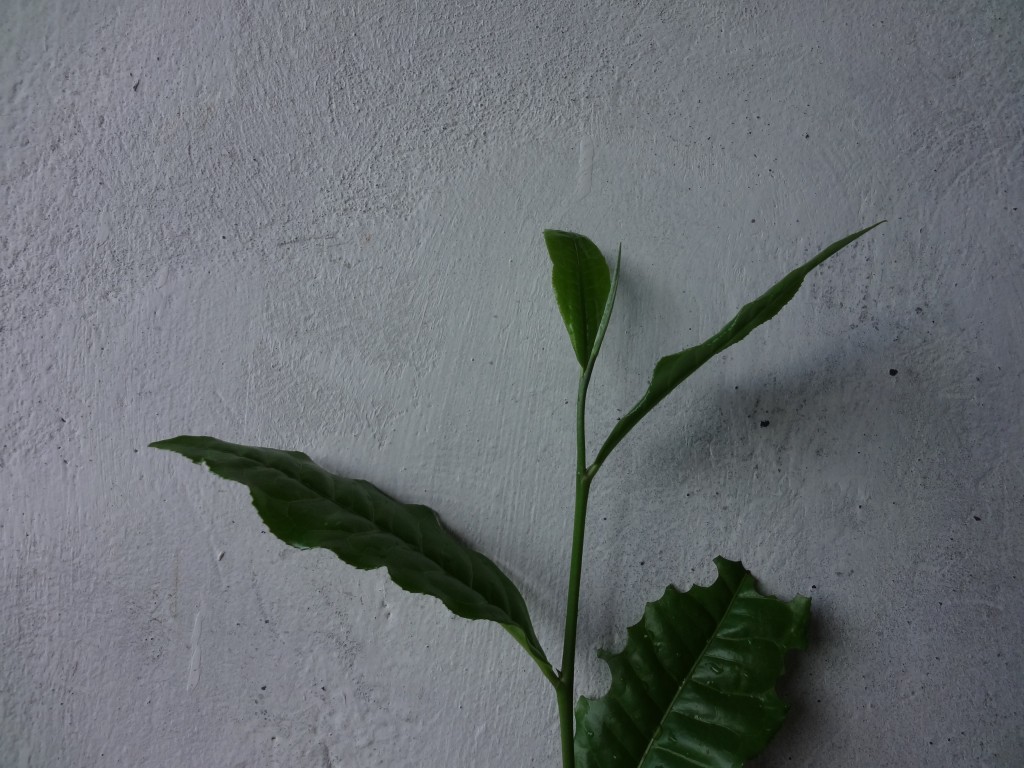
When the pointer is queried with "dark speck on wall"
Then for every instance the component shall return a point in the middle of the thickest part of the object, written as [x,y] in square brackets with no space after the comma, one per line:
[765,423]
[893,371]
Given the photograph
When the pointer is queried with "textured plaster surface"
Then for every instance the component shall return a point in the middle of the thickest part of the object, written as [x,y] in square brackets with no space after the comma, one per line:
[316,225]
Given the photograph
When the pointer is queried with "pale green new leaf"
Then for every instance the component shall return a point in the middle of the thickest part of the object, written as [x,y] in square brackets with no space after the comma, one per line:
[671,371]
[695,685]
[306,506]
[581,281]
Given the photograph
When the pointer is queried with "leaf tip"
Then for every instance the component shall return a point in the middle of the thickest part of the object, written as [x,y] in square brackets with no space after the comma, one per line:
[729,569]
[551,236]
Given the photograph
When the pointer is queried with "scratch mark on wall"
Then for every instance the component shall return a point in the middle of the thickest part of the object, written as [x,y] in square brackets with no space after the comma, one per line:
[195,661]
[177,584]
[585,168]
[306,239]
[250,375]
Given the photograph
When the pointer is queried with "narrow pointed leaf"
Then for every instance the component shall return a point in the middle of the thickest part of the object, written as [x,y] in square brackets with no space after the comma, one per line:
[581,281]
[695,685]
[671,371]
[606,315]
[306,506]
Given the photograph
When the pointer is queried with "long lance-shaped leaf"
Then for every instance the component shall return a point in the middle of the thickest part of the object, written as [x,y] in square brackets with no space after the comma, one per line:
[695,685]
[671,371]
[306,506]
[581,281]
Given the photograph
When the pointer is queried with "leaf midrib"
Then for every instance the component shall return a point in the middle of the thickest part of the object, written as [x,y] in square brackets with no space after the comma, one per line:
[689,675]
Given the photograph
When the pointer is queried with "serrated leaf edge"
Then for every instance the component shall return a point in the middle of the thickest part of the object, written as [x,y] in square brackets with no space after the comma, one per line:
[796,640]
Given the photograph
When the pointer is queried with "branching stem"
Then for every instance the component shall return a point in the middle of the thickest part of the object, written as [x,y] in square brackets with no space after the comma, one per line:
[584,477]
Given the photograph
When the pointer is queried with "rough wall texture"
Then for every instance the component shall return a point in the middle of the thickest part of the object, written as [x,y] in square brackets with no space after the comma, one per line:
[316,225]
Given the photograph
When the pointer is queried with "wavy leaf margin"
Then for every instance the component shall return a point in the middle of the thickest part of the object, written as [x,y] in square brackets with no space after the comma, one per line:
[695,685]
[306,506]
[673,370]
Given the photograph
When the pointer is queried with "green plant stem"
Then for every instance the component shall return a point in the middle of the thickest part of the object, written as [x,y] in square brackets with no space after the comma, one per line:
[564,692]
[584,476]
[565,726]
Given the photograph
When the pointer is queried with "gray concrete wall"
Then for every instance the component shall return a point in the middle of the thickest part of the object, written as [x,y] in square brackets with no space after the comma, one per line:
[317,225]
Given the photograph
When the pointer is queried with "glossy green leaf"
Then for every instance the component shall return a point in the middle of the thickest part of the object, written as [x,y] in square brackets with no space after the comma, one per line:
[581,281]
[695,685]
[671,371]
[306,506]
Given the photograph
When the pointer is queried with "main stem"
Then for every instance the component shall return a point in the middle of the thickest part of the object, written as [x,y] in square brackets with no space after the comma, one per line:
[564,691]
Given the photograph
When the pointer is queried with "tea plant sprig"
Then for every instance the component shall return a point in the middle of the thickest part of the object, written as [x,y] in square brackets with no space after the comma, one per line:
[694,685]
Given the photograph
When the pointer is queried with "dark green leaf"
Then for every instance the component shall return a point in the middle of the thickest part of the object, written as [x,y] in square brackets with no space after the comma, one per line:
[581,281]
[671,371]
[695,685]
[306,506]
